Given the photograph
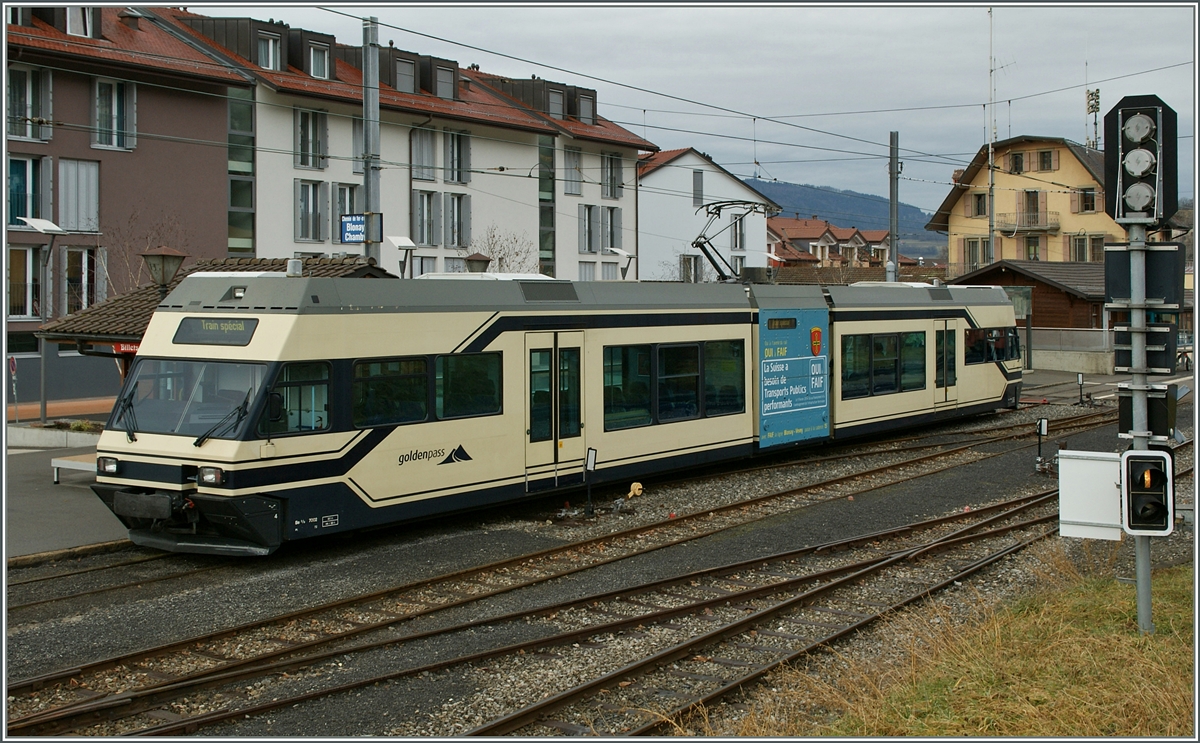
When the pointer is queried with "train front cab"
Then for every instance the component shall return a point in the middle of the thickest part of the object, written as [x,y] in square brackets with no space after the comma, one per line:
[908,355]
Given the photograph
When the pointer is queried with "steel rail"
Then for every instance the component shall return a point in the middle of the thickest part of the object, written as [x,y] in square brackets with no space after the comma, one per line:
[66,719]
[534,712]
[192,724]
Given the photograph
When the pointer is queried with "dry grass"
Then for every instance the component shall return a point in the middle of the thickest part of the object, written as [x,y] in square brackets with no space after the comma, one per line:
[1067,661]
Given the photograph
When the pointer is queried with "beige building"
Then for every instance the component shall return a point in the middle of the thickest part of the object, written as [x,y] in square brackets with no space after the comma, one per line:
[1048,203]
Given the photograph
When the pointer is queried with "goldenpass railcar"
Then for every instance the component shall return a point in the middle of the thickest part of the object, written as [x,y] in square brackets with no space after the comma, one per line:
[264,409]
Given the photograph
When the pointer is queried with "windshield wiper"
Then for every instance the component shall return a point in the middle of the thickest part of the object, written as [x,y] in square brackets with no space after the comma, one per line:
[125,412]
[240,410]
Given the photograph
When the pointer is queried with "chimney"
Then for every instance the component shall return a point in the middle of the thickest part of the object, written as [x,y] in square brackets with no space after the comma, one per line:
[958,174]
[129,19]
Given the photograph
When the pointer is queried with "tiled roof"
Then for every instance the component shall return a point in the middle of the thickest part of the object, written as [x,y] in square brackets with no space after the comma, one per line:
[148,46]
[843,233]
[851,274]
[651,161]
[1084,280]
[602,131]
[123,318]
[874,236]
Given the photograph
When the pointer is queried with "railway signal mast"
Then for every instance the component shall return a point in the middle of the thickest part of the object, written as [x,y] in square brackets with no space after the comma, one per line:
[1141,194]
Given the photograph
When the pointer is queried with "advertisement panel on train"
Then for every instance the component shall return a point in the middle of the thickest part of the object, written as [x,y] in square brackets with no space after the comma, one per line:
[793,375]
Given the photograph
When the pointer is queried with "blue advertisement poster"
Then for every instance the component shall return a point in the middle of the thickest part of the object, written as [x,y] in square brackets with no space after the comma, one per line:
[793,375]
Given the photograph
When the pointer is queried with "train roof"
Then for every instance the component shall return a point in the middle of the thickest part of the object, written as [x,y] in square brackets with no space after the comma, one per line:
[277,293]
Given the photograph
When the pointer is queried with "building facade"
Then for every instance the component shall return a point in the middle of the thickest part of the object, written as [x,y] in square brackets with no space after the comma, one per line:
[1047,204]
[111,128]
[674,188]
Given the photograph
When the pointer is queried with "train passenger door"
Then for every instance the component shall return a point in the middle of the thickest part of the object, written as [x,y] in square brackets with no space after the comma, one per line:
[554,446]
[945,362]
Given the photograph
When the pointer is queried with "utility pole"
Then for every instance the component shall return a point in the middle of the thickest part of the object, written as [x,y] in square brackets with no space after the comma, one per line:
[991,210]
[370,84]
[893,261]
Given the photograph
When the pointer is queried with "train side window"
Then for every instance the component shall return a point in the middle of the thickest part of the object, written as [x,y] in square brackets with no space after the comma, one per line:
[975,350]
[388,391]
[626,387]
[468,385]
[912,361]
[724,378]
[856,366]
[885,364]
[678,382]
[1014,344]
[541,412]
[303,390]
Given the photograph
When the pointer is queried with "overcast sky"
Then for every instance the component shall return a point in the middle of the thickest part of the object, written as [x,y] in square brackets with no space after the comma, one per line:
[834,80]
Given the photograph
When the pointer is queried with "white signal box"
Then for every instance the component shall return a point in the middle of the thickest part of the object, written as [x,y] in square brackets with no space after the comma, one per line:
[1089,495]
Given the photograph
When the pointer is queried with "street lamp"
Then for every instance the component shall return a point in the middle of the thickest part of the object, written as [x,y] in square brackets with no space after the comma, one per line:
[46,227]
[163,263]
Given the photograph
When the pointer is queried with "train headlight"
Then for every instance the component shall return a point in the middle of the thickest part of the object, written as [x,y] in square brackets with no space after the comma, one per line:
[106,465]
[210,476]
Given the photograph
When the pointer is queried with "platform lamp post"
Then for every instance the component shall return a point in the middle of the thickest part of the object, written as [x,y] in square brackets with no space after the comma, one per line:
[477,263]
[163,263]
[46,227]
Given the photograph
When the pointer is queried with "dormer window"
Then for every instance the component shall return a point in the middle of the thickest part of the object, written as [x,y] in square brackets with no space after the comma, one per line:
[445,82]
[268,51]
[406,76]
[556,104]
[79,21]
[587,110]
[319,61]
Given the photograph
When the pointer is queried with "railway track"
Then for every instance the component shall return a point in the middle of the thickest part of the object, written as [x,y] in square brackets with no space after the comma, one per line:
[726,595]
[315,631]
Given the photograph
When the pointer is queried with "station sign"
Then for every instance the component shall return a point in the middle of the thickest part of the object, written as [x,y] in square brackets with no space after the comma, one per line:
[354,228]
[793,375]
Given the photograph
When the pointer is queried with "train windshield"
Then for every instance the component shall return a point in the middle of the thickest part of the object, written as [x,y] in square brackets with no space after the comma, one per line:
[206,399]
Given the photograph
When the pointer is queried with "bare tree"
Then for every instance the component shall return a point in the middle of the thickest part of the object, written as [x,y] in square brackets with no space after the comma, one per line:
[510,252]
[125,242]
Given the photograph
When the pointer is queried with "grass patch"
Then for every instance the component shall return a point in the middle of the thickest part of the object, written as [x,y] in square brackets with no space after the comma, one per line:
[1067,661]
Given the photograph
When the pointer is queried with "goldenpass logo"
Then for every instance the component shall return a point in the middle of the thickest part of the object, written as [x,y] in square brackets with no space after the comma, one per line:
[417,455]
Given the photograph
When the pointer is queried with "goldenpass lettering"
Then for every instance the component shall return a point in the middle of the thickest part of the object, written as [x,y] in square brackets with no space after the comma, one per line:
[417,455]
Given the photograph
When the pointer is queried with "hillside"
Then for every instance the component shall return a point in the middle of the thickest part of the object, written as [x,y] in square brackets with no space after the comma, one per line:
[853,209]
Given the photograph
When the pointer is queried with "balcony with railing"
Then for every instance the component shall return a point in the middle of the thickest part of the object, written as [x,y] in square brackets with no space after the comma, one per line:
[1027,222]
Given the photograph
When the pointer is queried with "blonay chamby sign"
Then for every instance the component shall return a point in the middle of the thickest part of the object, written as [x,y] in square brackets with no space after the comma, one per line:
[354,228]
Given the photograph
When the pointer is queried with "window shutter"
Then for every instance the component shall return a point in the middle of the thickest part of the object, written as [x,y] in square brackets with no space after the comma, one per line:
[322,124]
[1099,199]
[998,253]
[1074,201]
[101,274]
[322,212]
[962,250]
[697,188]
[46,110]
[414,217]
[93,116]
[594,237]
[437,218]
[582,228]
[356,142]
[617,237]
[47,189]
[89,177]
[1066,244]
[1042,207]
[1054,159]
[969,205]
[604,228]
[465,158]
[130,116]
[618,173]
[296,228]
[466,220]
[448,216]
[447,170]
[296,137]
